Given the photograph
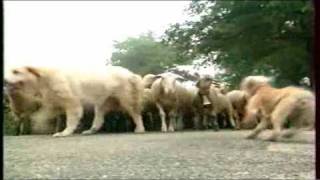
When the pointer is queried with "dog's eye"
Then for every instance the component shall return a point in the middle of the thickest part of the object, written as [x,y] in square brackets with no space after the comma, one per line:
[15,72]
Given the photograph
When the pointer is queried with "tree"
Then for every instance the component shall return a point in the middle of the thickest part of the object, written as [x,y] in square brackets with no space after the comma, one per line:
[145,55]
[249,37]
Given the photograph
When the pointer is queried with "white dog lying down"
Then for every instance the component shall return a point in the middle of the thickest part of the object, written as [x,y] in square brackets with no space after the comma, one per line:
[66,91]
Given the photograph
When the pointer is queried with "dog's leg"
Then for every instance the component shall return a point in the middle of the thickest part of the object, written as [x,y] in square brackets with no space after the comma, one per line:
[261,126]
[279,116]
[97,121]
[74,114]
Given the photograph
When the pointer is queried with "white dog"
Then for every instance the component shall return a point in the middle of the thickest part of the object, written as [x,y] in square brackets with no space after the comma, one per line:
[66,91]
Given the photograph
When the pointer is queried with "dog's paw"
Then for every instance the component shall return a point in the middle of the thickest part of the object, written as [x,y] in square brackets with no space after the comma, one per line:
[62,134]
[58,134]
[88,132]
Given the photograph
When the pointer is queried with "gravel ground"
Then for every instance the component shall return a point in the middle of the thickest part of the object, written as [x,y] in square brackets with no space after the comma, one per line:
[179,155]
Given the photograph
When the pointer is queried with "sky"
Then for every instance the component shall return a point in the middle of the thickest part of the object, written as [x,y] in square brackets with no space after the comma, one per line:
[79,34]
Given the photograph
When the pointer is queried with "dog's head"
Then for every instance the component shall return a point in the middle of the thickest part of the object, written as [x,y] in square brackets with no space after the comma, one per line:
[23,80]
[251,83]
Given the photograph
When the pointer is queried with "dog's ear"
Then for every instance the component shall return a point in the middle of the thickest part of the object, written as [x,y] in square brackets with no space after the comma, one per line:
[33,71]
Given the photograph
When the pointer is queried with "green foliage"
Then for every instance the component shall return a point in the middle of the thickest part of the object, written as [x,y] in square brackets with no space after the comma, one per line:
[145,55]
[249,37]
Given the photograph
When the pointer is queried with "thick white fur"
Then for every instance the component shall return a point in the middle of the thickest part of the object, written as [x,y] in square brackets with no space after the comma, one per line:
[251,83]
[67,91]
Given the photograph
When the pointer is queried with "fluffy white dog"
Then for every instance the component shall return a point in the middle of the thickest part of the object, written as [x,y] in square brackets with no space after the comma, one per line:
[67,91]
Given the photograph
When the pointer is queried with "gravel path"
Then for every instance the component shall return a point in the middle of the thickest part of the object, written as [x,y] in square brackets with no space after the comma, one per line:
[179,155]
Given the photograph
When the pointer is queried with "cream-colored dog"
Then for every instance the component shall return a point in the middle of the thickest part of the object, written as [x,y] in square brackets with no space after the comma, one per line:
[67,91]
[277,106]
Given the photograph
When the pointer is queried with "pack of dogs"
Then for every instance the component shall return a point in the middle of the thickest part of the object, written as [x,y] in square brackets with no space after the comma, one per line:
[46,98]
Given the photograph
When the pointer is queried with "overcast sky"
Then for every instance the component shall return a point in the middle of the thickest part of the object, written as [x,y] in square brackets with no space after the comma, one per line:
[79,33]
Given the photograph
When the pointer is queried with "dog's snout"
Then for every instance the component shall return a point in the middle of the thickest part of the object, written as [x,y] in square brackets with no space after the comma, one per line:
[6,83]
[10,86]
